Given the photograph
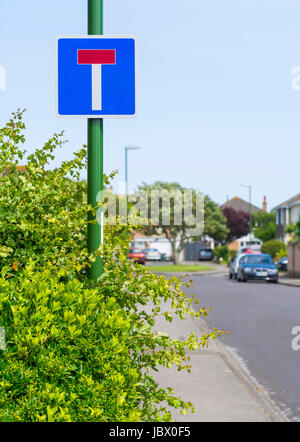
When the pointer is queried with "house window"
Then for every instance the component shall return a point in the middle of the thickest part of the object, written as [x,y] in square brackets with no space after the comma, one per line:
[277,216]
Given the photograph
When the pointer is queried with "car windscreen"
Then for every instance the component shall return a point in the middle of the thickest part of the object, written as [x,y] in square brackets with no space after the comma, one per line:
[256,259]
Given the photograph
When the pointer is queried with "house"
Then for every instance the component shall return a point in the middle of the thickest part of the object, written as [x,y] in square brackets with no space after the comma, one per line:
[239,204]
[287,213]
[246,241]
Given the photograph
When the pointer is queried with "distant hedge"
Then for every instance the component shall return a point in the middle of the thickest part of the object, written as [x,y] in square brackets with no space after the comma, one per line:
[273,247]
[221,252]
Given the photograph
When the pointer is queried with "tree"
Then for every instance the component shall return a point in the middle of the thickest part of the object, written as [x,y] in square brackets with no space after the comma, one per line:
[214,221]
[293,230]
[237,223]
[180,233]
[265,227]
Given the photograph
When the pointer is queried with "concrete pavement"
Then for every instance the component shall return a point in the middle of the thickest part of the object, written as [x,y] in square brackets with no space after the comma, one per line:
[260,318]
[217,386]
[286,280]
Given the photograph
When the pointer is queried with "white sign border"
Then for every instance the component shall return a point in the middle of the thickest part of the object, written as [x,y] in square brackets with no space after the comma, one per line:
[100,116]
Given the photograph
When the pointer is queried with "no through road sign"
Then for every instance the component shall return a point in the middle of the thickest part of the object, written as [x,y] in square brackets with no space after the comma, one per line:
[96,76]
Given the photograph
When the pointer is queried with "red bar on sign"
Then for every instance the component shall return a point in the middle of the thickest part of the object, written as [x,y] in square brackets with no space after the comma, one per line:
[96,56]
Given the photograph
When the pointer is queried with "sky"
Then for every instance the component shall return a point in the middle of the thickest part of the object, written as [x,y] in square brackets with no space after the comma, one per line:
[216,107]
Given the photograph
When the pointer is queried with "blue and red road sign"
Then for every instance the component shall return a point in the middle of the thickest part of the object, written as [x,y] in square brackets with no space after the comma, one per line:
[96,76]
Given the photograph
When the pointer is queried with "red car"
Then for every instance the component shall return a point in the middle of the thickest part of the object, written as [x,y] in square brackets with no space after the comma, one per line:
[137,255]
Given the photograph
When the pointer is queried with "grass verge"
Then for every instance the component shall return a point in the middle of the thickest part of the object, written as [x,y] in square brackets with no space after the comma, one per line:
[180,268]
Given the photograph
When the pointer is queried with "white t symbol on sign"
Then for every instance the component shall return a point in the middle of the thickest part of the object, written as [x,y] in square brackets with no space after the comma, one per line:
[96,58]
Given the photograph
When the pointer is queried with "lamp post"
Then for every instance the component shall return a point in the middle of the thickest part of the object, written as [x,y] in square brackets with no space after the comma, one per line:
[127,148]
[250,221]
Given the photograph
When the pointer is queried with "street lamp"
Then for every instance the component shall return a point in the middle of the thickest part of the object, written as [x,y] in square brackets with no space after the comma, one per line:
[127,148]
[250,221]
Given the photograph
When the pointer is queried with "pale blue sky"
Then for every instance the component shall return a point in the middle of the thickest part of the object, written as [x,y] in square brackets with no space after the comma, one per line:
[216,107]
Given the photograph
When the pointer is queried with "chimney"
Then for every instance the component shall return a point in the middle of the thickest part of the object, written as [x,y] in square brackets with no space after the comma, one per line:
[265,204]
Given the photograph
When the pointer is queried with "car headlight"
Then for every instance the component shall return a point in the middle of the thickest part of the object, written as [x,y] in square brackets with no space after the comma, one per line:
[247,270]
[273,272]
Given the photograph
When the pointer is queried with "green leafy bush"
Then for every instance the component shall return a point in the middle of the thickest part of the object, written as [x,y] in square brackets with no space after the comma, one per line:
[264,225]
[84,353]
[221,253]
[281,254]
[77,350]
[232,254]
[42,212]
[293,230]
[68,353]
[75,354]
[274,247]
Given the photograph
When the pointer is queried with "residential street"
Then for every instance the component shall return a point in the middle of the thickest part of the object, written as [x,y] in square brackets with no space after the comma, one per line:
[259,317]
[109,204]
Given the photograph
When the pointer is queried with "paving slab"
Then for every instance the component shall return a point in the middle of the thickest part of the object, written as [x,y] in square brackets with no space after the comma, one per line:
[295,282]
[217,387]
[217,394]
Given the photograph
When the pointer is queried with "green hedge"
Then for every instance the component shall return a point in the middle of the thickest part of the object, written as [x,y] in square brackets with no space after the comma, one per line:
[68,354]
[77,350]
[221,252]
[273,247]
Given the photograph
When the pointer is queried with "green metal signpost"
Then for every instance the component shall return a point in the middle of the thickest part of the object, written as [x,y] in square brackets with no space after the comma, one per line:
[95,152]
[95,79]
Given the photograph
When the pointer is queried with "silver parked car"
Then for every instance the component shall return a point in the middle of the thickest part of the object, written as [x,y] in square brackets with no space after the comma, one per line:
[152,254]
[234,265]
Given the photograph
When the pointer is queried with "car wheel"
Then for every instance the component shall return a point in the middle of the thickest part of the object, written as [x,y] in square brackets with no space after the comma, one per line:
[244,279]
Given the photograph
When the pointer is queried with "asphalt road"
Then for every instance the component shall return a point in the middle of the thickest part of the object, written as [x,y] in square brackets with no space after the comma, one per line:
[259,317]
